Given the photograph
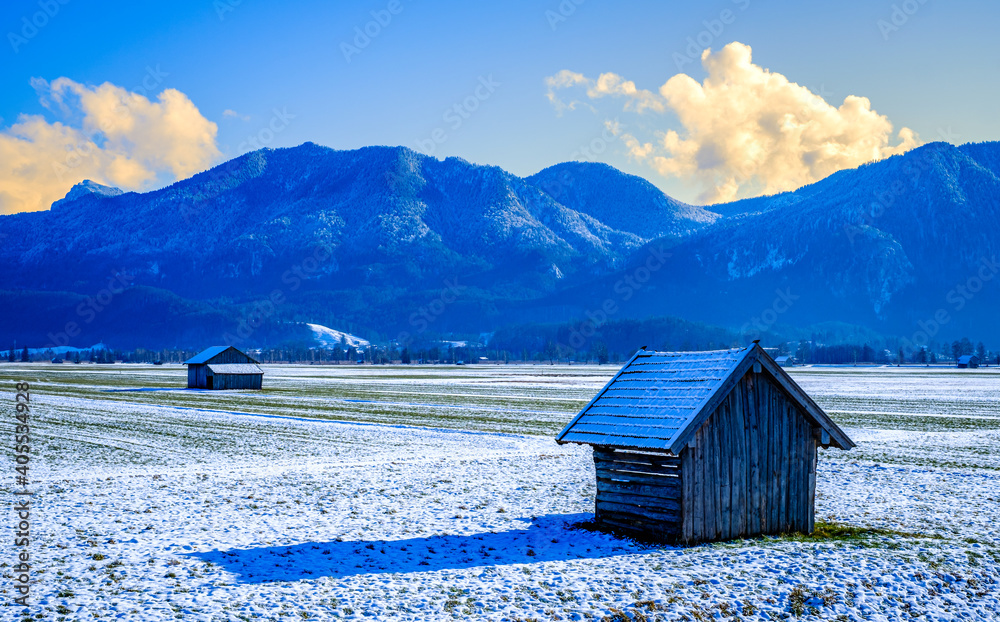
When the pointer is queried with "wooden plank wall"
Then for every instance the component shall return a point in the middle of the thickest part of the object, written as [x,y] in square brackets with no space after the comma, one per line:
[639,493]
[752,467]
[197,375]
[237,381]
[198,379]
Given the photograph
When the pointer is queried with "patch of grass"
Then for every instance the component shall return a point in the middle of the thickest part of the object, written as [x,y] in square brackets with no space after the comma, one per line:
[830,531]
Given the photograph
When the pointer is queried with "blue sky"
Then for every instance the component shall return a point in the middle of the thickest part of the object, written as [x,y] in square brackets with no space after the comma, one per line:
[936,71]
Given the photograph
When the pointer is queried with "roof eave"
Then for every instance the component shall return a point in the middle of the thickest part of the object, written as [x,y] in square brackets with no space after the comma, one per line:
[569,425]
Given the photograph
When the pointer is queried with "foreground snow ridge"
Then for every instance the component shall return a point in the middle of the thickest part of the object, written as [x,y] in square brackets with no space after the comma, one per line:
[370,522]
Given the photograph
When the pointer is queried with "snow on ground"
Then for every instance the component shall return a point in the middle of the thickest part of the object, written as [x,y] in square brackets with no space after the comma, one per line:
[330,338]
[153,512]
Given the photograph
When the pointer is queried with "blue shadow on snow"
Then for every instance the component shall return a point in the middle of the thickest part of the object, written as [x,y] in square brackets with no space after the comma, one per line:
[549,538]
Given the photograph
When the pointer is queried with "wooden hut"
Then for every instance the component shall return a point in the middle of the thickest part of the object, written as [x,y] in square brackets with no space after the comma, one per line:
[223,367]
[701,446]
[969,361]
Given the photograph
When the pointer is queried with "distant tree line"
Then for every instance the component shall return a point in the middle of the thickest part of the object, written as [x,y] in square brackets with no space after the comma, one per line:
[613,343]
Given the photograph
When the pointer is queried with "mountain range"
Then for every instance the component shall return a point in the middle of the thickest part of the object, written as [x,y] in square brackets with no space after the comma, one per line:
[383,242]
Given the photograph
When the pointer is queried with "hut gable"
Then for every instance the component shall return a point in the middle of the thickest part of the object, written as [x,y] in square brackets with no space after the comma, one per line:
[221,354]
[223,367]
[700,446]
[658,400]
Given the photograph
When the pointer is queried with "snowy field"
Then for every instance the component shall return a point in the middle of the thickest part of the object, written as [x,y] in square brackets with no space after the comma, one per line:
[436,493]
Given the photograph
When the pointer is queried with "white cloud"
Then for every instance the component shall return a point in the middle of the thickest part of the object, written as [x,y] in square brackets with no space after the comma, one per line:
[606,84]
[232,114]
[746,130]
[110,135]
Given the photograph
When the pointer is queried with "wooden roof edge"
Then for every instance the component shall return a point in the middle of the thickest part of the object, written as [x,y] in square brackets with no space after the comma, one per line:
[819,416]
[712,400]
[219,353]
[662,450]
[569,425]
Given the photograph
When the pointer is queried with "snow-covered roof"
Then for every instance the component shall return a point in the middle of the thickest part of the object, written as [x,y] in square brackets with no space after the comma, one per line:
[237,369]
[967,358]
[658,400]
[210,353]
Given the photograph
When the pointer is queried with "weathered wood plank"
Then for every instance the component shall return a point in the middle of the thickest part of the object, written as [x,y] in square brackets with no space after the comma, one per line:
[637,478]
[788,466]
[774,419]
[721,478]
[637,458]
[697,461]
[795,471]
[656,504]
[809,443]
[652,514]
[812,486]
[801,473]
[667,531]
[711,484]
[767,447]
[725,453]
[739,465]
[670,491]
[756,444]
[626,469]
[783,434]
[687,501]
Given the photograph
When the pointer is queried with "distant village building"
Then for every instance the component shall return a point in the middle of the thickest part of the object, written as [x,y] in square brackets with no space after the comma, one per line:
[969,361]
[223,367]
[701,446]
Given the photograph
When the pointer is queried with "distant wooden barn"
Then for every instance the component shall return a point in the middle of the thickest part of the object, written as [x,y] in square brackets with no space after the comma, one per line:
[701,446]
[223,367]
[969,361]
[785,361]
